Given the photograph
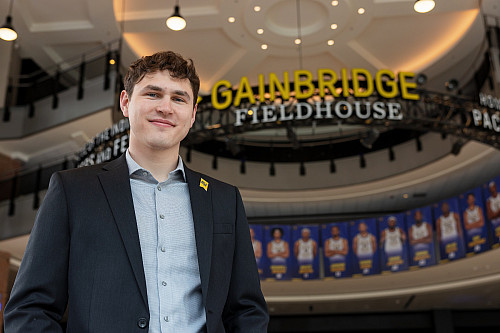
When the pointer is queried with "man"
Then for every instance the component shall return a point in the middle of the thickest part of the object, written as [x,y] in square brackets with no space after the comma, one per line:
[420,236]
[473,216]
[448,231]
[392,238]
[493,210]
[256,245]
[305,248]
[278,249]
[336,249]
[141,244]
[364,246]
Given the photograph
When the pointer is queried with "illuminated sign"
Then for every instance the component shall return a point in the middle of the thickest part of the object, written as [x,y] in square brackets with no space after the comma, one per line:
[483,118]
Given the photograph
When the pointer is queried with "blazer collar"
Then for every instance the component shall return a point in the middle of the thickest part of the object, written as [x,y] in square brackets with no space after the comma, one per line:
[200,193]
[116,184]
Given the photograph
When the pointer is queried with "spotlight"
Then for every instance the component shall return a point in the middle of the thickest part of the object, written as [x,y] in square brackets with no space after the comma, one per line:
[451,85]
[457,146]
[272,170]
[302,169]
[7,31]
[419,143]
[333,167]
[443,136]
[370,138]
[424,6]
[362,161]
[243,167]
[214,163]
[392,156]
[176,22]
[421,79]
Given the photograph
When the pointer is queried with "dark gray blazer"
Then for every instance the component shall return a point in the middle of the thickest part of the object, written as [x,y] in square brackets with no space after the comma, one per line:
[84,254]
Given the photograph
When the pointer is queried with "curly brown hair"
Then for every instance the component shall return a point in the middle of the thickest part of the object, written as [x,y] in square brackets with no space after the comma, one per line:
[174,63]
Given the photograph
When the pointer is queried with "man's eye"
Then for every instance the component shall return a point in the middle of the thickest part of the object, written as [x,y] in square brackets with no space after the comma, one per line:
[152,94]
[179,99]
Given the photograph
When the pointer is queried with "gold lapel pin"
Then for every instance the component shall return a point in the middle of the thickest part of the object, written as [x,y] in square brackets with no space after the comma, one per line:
[204,184]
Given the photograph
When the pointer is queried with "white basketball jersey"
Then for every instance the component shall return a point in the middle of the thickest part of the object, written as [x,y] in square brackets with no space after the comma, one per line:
[256,245]
[364,245]
[494,203]
[306,250]
[277,247]
[419,232]
[393,240]
[336,244]
[472,215]
[448,226]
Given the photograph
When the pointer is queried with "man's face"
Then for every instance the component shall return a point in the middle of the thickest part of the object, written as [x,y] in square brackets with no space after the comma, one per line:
[418,217]
[252,234]
[160,111]
[277,235]
[335,232]
[362,228]
[306,234]
[493,190]
[392,223]
[471,200]
[445,208]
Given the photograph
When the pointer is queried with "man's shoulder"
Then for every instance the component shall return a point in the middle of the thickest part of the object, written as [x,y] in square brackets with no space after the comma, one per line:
[215,183]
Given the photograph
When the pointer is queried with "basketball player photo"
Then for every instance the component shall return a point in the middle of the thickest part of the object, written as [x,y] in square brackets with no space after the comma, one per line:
[493,209]
[476,233]
[277,239]
[337,257]
[393,242]
[449,230]
[364,246]
[421,237]
[256,238]
[305,252]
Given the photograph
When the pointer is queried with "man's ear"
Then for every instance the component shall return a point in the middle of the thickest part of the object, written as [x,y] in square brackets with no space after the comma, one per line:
[124,101]
[194,114]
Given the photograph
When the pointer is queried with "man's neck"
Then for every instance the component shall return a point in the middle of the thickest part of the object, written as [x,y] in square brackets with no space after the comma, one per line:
[159,163]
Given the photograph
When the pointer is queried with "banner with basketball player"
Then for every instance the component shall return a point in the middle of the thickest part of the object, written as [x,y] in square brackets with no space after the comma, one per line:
[256,235]
[393,243]
[337,253]
[364,245]
[473,217]
[421,237]
[278,251]
[305,261]
[449,229]
[492,197]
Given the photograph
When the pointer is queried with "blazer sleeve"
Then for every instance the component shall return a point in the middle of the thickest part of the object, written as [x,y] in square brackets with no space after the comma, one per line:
[39,296]
[245,309]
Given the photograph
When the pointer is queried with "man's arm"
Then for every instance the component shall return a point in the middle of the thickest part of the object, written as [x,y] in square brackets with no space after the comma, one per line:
[245,309]
[296,249]
[39,296]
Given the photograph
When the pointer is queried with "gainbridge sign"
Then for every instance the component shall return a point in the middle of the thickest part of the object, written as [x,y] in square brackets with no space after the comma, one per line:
[266,103]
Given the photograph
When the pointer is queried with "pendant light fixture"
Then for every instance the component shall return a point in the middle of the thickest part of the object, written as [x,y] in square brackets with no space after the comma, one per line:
[176,22]
[7,31]
[424,6]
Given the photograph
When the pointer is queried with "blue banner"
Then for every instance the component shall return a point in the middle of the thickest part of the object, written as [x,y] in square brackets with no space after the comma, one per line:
[476,232]
[421,237]
[278,252]
[337,252]
[305,252]
[449,229]
[393,243]
[493,209]
[256,235]
[364,245]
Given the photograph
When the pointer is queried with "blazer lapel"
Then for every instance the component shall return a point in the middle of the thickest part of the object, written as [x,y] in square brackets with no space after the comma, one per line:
[201,206]
[116,184]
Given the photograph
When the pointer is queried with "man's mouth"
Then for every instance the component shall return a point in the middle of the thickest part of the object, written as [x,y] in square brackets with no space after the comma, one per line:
[162,122]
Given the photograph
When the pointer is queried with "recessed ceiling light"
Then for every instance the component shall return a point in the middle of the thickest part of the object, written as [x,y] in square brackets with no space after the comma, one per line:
[331,42]
[334,26]
[231,19]
[260,31]
[405,195]
[424,6]
[257,8]
[335,3]
[298,41]
[263,46]
[361,11]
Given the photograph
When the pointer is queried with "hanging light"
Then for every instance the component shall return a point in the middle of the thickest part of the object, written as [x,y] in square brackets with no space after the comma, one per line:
[424,6]
[176,22]
[7,31]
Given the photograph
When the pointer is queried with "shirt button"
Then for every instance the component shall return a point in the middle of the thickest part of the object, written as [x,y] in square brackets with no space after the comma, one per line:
[164,283]
[145,173]
[159,188]
[162,249]
[162,216]
[165,318]
[142,322]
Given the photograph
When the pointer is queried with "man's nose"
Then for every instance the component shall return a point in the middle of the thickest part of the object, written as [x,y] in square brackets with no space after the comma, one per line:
[165,106]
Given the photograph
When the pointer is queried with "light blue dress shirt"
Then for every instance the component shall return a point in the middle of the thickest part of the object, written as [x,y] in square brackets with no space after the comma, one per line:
[166,234]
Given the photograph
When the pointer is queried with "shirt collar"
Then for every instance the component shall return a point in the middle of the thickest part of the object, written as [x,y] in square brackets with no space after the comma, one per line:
[133,166]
